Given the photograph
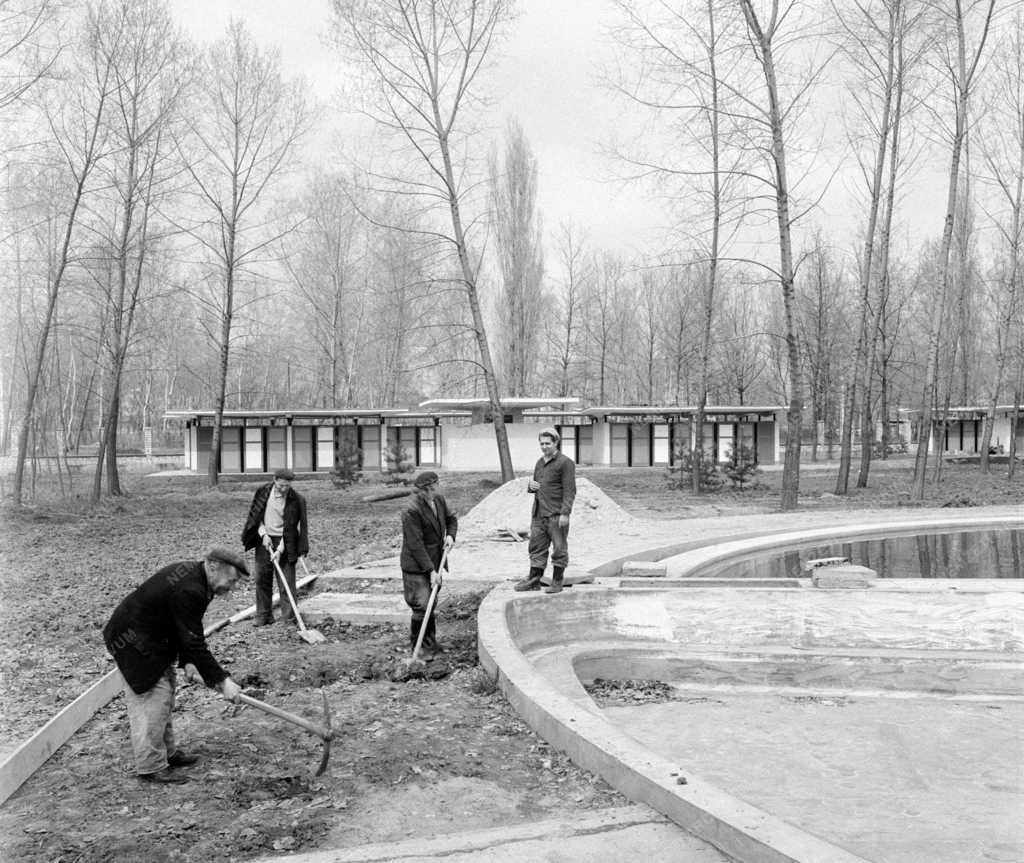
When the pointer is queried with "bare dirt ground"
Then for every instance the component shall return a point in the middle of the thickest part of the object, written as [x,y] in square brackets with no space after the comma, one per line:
[420,758]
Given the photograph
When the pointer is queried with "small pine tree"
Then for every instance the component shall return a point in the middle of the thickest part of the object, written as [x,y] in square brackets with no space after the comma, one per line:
[680,474]
[348,463]
[398,465]
[741,468]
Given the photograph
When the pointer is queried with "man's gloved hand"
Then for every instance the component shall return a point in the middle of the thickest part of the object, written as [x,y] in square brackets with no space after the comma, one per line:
[230,690]
[192,673]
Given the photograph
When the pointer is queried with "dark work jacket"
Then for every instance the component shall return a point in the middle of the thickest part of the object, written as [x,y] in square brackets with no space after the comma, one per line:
[162,621]
[423,535]
[296,531]
[557,490]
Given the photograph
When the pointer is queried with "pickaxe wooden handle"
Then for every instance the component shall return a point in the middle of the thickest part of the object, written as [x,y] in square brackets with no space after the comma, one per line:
[324,733]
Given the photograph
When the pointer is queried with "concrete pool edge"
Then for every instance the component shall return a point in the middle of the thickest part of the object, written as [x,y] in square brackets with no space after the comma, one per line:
[577,728]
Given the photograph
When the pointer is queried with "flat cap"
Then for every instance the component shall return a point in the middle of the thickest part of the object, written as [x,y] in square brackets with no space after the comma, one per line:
[229,557]
[427,478]
[284,473]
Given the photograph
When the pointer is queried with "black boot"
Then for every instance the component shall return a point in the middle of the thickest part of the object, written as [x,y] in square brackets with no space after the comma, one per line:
[532,581]
[414,632]
[557,575]
[430,644]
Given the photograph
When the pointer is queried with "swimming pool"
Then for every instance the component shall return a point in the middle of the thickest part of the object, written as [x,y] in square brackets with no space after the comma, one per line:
[949,553]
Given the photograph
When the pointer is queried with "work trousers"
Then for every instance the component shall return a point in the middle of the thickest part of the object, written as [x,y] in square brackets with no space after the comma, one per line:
[149,716]
[416,592]
[546,533]
[265,575]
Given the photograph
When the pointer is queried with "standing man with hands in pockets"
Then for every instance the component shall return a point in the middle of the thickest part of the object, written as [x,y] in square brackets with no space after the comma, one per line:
[554,487]
[276,527]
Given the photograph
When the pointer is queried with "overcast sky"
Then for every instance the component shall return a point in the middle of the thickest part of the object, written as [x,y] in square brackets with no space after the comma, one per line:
[544,77]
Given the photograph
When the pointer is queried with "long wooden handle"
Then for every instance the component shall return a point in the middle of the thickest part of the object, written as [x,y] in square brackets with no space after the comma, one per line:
[318,730]
[288,590]
[430,606]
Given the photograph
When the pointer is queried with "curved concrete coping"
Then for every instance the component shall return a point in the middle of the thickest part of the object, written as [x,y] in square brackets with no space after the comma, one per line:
[685,563]
[964,643]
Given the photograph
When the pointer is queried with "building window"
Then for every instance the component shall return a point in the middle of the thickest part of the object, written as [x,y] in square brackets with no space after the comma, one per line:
[276,447]
[662,451]
[254,450]
[324,448]
[231,450]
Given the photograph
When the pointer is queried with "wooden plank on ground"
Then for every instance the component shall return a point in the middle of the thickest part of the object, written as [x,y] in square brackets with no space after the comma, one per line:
[34,752]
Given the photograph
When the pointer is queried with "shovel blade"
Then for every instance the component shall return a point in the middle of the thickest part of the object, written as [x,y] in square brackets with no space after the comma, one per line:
[311,636]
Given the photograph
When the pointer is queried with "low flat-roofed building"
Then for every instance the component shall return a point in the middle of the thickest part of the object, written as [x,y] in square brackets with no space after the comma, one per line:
[959,430]
[458,434]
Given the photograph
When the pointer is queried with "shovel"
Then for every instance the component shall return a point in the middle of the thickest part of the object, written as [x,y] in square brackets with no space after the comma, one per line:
[415,662]
[310,636]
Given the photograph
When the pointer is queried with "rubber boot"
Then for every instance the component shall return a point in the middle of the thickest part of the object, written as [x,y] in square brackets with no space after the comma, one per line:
[557,576]
[414,632]
[430,644]
[532,581]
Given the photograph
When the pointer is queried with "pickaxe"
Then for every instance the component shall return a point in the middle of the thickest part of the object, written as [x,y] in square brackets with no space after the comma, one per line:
[324,732]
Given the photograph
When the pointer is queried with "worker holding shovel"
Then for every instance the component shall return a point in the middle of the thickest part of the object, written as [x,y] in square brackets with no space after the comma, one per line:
[428,531]
[276,526]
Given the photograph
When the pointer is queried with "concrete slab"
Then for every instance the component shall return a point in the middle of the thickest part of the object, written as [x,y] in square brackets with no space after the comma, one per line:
[610,836]
[358,608]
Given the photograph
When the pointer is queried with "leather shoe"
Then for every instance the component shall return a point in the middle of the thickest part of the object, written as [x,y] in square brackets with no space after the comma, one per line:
[556,587]
[181,759]
[528,584]
[164,777]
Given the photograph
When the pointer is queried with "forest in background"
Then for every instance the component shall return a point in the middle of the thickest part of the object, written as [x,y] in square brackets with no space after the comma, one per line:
[178,235]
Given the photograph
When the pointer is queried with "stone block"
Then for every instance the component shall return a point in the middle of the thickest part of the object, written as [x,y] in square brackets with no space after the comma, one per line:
[643,569]
[843,576]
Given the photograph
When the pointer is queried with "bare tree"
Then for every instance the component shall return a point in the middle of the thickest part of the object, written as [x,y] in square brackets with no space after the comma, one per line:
[77,129]
[29,46]
[517,237]
[875,36]
[424,58]
[679,48]
[148,59]
[244,131]
[565,332]
[1003,155]
[765,32]
[961,69]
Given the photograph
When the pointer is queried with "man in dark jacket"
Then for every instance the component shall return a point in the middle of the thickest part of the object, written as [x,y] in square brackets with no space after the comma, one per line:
[158,623]
[554,487]
[428,531]
[276,527]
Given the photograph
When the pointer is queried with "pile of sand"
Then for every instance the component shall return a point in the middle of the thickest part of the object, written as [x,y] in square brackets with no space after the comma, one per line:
[509,506]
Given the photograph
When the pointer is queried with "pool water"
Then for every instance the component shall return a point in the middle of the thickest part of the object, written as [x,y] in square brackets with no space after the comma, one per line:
[945,554]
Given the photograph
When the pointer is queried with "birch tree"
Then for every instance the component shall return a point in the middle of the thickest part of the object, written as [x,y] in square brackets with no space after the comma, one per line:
[423,60]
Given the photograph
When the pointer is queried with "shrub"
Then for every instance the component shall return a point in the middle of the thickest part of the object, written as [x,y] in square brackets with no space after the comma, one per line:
[741,468]
[348,464]
[680,474]
[398,465]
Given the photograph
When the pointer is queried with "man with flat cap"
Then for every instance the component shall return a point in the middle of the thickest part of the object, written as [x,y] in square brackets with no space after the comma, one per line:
[157,624]
[276,528]
[428,530]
